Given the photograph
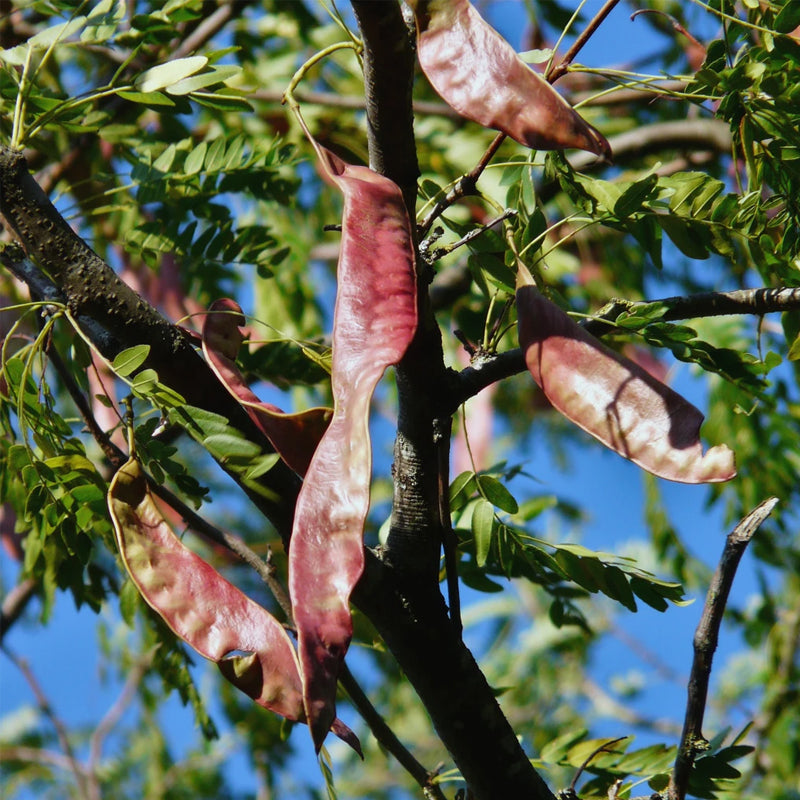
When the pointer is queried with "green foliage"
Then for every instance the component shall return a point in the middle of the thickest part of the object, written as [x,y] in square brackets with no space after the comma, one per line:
[178,166]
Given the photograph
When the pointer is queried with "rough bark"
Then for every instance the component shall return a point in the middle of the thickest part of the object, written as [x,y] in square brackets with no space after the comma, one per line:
[413,618]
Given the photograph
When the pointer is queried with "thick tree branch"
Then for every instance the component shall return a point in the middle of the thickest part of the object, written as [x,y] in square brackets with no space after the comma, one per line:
[119,318]
[401,593]
[705,643]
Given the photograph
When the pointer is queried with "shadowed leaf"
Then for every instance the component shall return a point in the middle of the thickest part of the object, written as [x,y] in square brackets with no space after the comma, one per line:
[294,436]
[611,397]
[374,321]
[480,75]
[251,648]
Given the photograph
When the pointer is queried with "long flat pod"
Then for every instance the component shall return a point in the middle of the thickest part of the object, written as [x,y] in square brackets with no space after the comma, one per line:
[251,648]
[374,321]
[294,436]
[613,398]
[480,75]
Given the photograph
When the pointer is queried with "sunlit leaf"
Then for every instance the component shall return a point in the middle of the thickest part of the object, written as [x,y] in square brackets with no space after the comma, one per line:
[163,76]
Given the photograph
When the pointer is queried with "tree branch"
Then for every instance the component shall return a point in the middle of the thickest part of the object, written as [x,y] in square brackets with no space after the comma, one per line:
[556,72]
[119,318]
[705,643]
[14,603]
[490,369]
[386,736]
[400,591]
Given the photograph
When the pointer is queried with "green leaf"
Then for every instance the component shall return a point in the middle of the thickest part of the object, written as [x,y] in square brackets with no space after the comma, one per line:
[103,20]
[145,381]
[194,161]
[130,360]
[49,36]
[197,82]
[163,76]
[497,494]
[794,350]
[482,529]
[788,17]
[632,198]
[147,98]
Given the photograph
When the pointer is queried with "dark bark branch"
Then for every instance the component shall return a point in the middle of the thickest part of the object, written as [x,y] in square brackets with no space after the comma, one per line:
[119,318]
[400,594]
[414,624]
[388,74]
[487,371]
[386,736]
[705,643]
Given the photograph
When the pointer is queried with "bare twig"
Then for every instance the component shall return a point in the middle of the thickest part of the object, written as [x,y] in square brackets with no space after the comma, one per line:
[15,602]
[82,779]
[37,755]
[705,643]
[386,736]
[112,717]
[465,186]
[556,72]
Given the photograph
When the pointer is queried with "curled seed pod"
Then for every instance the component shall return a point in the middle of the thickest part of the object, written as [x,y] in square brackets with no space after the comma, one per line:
[374,321]
[294,436]
[221,623]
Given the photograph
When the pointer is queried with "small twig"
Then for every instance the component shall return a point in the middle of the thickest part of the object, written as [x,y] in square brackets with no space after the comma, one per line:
[15,602]
[386,736]
[209,27]
[465,186]
[440,252]
[75,767]
[111,718]
[705,643]
[560,69]
[603,748]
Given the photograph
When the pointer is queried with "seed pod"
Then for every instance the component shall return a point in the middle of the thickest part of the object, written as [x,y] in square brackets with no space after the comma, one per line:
[221,623]
[294,436]
[374,321]
[613,398]
[480,75]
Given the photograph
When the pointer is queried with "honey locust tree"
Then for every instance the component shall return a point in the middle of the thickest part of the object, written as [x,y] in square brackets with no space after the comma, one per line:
[248,245]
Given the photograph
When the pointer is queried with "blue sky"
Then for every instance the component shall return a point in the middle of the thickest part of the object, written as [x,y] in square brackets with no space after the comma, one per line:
[63,656]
